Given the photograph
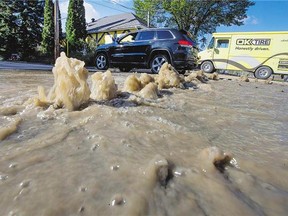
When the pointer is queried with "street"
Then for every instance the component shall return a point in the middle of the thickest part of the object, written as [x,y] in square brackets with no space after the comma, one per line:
[14,65]
[9,65]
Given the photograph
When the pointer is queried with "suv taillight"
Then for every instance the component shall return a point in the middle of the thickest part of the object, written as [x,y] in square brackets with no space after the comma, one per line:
[185,43]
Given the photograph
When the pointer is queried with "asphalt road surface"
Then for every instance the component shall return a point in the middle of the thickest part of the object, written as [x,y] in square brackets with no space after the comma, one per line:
[12,65]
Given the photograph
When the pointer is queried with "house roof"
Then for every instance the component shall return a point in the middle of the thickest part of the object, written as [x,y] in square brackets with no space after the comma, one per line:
[116,22]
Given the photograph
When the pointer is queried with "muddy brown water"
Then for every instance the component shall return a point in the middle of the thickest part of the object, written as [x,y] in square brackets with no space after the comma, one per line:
[126,158]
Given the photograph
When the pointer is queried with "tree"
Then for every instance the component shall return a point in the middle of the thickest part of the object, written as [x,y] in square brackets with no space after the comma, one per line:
[202,17]
[143,8]
[47,44]
[8,29]
[48,33]
[60,26]
[76,24]
[21,26]
[29,21]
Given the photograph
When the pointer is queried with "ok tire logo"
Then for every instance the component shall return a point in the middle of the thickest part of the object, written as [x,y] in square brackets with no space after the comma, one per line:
[253,42]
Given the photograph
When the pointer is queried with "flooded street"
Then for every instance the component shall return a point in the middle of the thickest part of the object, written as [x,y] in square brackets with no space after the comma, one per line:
[218,149]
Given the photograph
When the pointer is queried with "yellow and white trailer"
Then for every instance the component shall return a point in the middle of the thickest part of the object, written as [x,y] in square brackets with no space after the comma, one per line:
[263,53]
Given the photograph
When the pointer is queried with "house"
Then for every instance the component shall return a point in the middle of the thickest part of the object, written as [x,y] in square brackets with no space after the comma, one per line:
[106,29]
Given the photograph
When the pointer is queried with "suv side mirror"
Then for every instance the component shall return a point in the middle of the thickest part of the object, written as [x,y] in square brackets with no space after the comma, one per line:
[117,40]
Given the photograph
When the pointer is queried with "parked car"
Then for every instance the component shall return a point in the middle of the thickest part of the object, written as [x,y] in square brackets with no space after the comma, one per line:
[14,57]
[149,48]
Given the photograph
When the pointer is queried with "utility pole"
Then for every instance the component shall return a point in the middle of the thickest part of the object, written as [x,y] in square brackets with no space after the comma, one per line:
[148,19]
[56,31]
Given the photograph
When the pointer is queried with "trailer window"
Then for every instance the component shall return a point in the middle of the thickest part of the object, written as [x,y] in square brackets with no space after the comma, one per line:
[211,44]
[222,43]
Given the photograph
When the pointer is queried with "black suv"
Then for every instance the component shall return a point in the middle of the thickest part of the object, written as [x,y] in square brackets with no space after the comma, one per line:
[149,48]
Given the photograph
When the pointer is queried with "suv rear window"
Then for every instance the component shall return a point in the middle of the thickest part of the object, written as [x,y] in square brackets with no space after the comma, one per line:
[164,35]
[146,35]
[188,36]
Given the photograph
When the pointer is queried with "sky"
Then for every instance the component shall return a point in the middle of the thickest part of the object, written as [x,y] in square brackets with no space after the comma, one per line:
[265,15]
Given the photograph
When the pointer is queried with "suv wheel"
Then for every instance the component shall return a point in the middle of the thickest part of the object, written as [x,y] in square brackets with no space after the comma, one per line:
[157,62]
[101,61]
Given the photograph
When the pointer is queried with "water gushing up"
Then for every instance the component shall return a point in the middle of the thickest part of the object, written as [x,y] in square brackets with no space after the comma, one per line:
[180,146]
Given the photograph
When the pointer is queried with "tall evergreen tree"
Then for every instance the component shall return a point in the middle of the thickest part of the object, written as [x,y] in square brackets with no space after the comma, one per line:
[60,26]
[8,29]
[30,29]
[31,15]
[47,43]
[75,24]
[21,26]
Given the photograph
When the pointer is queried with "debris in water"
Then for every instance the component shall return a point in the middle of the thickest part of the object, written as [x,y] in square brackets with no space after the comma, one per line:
[3,177]
[10,110]
[157,171]
[103,86]
[13,165]
[70,89]
[117,199]
[168,77]
[10,128]
[213,158]
[150,91]
[25,184]
[145,79]
[83,189]
[197,76]
[269,81]
[143,86]
[213,76]
[82,209]
[114,167]
[132,84]
[244,78]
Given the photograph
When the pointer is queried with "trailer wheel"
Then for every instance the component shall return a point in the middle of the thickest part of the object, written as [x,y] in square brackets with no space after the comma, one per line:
[207,67]
[263,72]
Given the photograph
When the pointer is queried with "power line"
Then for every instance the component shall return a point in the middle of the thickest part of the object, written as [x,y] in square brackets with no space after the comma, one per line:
[97,3]
[117,3]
